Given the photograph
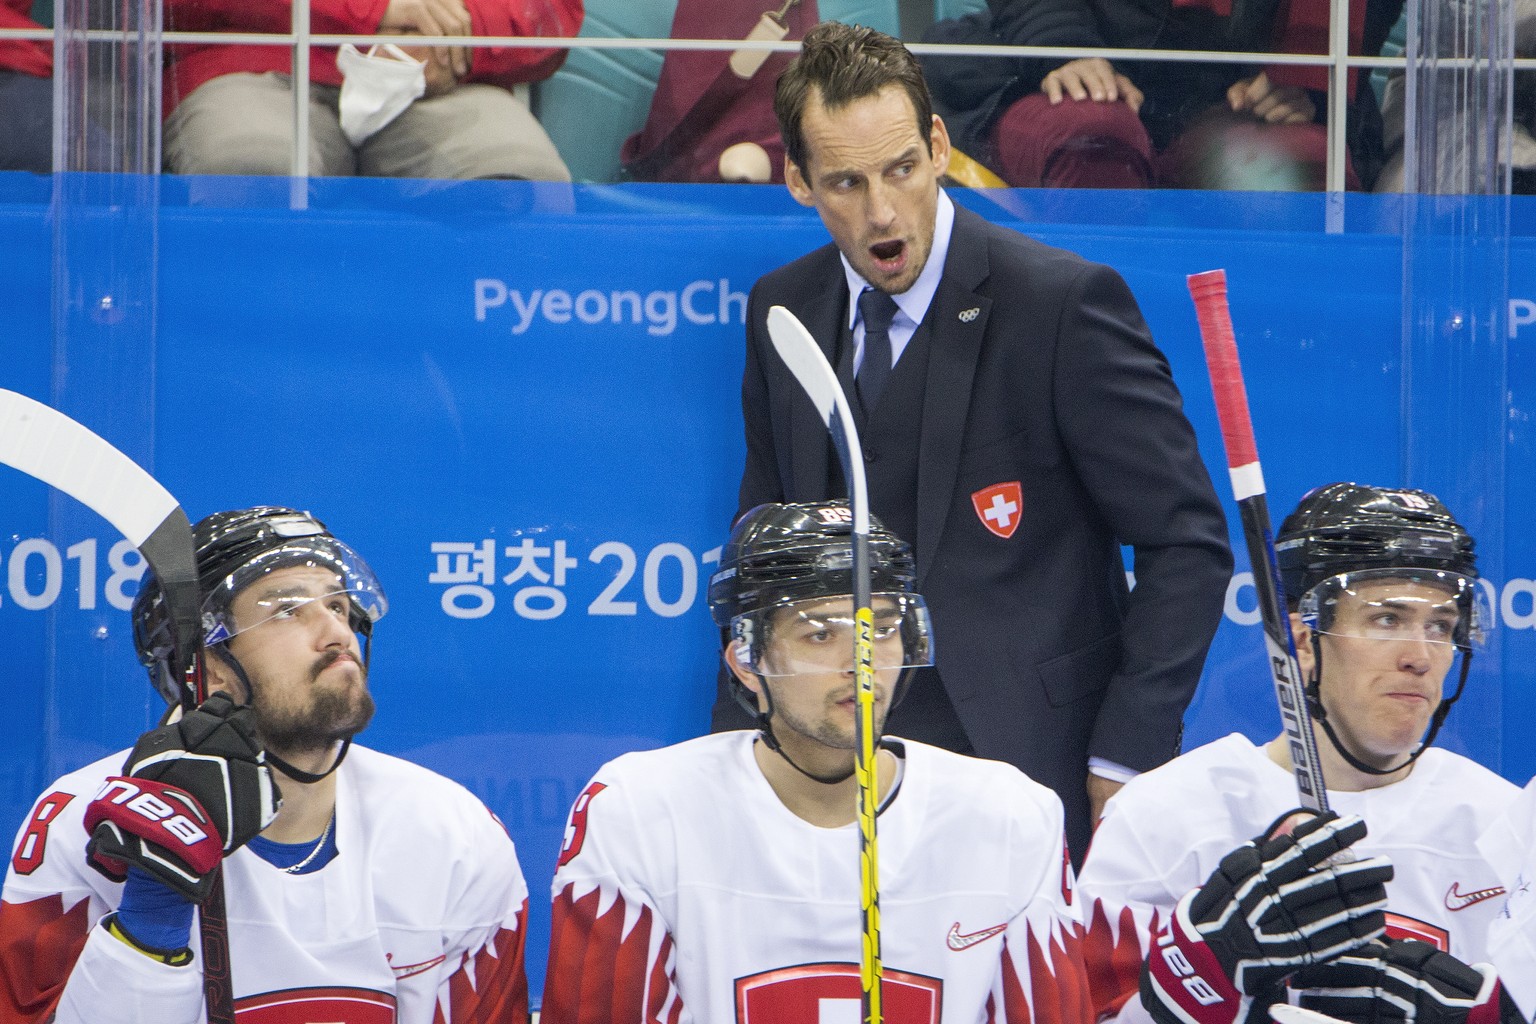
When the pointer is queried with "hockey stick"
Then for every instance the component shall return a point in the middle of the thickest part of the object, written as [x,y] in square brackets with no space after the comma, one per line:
[44,443]
[1209,290]
[805,360]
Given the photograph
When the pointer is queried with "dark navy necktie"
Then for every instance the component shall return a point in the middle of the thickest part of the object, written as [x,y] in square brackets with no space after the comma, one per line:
[878,310]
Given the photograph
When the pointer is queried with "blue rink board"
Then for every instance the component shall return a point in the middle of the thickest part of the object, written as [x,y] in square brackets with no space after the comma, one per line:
[436,370]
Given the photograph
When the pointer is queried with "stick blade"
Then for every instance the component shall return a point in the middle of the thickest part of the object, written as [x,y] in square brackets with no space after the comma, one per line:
[46,444]
[805,360]
[814,374]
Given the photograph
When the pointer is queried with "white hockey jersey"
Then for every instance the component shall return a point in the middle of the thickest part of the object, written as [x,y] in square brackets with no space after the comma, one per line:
[1166,831]
[1510,846]
[418,919]
[687,891]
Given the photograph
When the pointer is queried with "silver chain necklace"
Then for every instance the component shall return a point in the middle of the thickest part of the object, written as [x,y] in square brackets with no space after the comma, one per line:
[301,865]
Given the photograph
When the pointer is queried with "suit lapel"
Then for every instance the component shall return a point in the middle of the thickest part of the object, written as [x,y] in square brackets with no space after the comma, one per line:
[821,313]
[958,320]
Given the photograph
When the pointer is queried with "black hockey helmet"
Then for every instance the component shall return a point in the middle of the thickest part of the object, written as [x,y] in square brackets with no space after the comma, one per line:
[1344,535]
[780,555]
[783,553]
[234,549]
[1347,527]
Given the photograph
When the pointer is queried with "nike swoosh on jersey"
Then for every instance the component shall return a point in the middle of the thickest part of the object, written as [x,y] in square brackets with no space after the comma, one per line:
[958,941]
[1455,899]
[411,970]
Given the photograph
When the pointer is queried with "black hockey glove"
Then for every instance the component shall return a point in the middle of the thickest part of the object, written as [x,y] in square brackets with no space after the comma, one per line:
[1404,982]
[191,793]
[1272,905]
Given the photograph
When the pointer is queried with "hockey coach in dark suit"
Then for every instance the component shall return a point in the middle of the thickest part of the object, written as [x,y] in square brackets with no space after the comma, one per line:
[1019,426]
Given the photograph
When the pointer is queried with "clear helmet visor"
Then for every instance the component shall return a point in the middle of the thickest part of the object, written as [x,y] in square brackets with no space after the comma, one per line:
[294,583]
[816,635]
[1421,605]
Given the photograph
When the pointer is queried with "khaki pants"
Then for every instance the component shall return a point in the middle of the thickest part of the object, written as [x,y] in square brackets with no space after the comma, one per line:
[243,124]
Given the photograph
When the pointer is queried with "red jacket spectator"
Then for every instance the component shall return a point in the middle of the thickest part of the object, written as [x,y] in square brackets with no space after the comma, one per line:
[190,65]
[31,57]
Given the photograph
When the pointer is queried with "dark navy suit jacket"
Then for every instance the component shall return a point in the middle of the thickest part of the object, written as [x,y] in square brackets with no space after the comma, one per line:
[1041,370]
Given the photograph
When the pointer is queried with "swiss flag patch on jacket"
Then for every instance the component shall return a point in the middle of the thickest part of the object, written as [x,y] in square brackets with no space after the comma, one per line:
[1000,507]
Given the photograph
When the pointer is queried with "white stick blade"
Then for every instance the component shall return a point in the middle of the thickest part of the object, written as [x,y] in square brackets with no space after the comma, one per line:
[805,360]
[48,445]
[808,363]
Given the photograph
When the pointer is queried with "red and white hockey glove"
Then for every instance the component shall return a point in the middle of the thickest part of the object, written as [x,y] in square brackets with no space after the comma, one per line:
[1273,905]
[191,793]
[1405,982]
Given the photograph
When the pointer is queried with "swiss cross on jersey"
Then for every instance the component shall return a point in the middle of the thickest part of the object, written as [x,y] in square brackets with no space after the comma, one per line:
[1000,507]
[828,993]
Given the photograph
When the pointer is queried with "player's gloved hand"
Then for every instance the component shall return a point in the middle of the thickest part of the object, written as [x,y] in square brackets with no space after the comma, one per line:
[1404,982]
[1273,905]
[191,793]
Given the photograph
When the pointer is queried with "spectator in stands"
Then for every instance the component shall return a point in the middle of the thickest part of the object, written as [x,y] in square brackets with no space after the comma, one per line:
[1450,100]
[26,95]
[1523,137]
[230,107]
[711,117]
[1091,123]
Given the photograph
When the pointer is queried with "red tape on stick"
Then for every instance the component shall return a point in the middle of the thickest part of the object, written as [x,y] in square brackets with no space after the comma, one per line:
[1209,290]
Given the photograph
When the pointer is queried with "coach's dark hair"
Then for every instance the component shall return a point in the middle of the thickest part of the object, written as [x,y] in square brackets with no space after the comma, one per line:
[845,63]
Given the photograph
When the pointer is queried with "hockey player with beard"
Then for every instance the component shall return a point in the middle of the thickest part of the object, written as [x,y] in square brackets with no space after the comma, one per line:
[1384,596]
[717,880]
[359,888]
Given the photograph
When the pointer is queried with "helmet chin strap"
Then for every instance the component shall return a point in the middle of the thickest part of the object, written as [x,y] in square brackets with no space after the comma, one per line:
[764,722]
[308,778]
[1320,714]
[296,774]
